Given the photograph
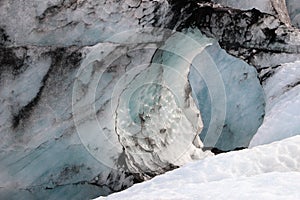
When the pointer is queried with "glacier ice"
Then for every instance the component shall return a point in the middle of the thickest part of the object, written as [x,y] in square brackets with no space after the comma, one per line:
[41,154]
[44,43]
[154,122]
[244,111]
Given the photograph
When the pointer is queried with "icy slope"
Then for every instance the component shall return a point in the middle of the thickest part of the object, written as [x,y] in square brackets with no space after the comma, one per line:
[282,118]
[268,186]
[264,172]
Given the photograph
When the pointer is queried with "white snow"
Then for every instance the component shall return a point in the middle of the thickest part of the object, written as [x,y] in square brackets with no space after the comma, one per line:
[266,186]
[265,172]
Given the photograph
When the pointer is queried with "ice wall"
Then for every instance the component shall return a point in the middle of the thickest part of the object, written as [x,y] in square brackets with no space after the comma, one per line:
[43,45]
[239,99]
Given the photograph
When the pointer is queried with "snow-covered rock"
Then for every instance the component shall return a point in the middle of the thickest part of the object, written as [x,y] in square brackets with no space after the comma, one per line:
[264,172]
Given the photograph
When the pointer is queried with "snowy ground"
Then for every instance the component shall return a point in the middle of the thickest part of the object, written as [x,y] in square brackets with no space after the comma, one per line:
[264,172]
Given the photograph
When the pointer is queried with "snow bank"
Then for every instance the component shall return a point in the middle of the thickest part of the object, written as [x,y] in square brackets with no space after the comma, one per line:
[264,172]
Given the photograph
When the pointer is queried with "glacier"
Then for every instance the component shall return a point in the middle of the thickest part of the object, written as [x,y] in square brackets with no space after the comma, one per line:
[98,96]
